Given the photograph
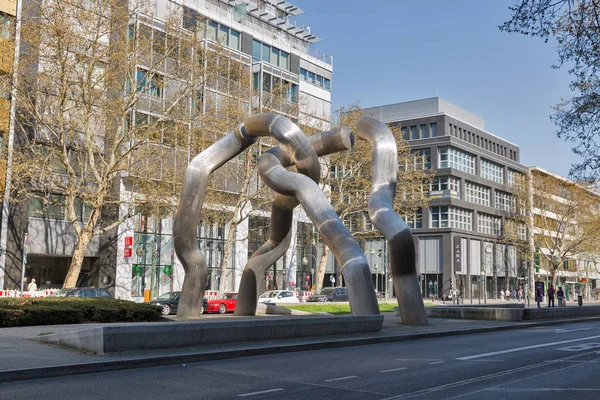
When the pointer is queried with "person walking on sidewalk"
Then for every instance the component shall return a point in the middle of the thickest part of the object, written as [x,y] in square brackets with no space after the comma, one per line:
[539,293]
[560,295]
[501,294]
[550,294]
[32,287]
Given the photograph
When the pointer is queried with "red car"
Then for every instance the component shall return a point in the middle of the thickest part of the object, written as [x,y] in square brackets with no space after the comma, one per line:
[225,303]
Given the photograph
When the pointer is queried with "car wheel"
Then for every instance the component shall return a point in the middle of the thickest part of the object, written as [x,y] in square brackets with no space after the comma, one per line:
[202,309]
[330,300]
[222,309]
[166,310]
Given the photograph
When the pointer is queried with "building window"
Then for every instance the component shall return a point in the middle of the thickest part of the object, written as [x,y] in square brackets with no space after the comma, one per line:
[152,84]
[415,220]
[444,217]
[453,158]
[492,171]
[424,131]
[414,133]
[404,131]
[446,183]
[272,55]
[504,201]
[315,79]
[511,177]
[421,159]
[433,128]
[6,23]
[488,224]
[438,217]
[477,194]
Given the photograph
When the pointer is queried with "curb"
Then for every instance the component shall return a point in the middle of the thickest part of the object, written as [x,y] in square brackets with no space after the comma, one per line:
[149,362]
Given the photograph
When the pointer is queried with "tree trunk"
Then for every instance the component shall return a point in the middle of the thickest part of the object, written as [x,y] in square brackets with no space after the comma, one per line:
[321,270]
[77,259]
[226,253]
[555,275]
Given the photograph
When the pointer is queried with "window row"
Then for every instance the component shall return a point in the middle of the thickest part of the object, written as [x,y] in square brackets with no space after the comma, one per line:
[315,79]
[504,202]
[450,217]
[452,158]
[270,54]
[477,194]
[53,206]
[492,171]
[446,183]
[488,224]
[212,30]
[422,131]
[275,85]
[414,220]
[481,141]
[420,160]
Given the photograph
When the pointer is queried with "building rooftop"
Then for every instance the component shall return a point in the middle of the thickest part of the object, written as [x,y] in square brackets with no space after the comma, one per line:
[429,107]
[424,108]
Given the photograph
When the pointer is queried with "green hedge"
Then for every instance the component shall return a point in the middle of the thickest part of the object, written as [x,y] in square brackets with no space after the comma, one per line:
[60,310]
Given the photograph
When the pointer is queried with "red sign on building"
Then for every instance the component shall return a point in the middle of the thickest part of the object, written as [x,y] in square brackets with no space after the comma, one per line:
[128,251]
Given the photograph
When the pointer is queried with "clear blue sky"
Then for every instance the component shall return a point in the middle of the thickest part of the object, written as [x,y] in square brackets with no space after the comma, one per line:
[389,51]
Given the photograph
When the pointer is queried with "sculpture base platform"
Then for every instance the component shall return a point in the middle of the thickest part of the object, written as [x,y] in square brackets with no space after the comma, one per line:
[117,338]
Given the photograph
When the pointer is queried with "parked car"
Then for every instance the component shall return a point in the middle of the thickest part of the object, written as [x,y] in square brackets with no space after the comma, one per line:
[223,304]
[170,301]
[330,294]
[278,297]
[82,292]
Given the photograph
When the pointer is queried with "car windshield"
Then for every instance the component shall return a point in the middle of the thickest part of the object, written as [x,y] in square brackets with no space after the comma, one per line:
[61,293]
[327,291]
[167,296]
[226,296]
[269,294]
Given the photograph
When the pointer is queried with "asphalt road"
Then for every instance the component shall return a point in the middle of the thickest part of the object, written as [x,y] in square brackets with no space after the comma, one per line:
[561,362]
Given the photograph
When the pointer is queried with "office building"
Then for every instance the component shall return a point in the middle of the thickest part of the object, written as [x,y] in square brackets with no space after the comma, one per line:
[270,49]
[459,238]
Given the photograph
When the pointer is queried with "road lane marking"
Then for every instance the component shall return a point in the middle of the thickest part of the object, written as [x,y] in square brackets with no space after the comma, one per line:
[341,379]
[536,346]
[417,359]
[437,362]
[393,370]
[580,347]
[573,330]
[261,392]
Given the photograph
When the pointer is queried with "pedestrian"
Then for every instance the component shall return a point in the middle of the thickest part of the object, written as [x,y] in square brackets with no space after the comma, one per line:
[550,294]
[501,294]
[507,293]
[560,295]
[514,294]
[520,295]
[32,287]
[539,293]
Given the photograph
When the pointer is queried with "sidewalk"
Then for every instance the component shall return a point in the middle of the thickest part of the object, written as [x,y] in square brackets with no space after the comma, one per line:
[22,359]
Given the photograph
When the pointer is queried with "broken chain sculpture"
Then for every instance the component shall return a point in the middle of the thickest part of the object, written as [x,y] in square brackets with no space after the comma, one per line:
[301,188]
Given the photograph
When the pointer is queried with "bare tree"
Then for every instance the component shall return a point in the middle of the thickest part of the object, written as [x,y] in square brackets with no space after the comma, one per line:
[348,183]
[564,220]
[106,95]
[575,26]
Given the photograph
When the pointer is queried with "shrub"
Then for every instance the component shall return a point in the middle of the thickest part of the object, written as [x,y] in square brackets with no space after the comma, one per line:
[58,310]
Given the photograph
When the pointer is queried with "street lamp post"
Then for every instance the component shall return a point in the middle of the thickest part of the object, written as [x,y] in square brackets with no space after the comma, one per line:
[382,254]
[312,269]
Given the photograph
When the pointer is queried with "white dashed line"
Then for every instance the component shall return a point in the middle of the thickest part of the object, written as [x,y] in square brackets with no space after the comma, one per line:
[261,392]
[537,346]
[393,370]
[437,362]
[341,379]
